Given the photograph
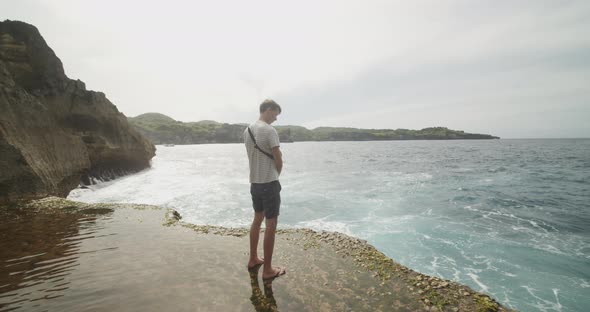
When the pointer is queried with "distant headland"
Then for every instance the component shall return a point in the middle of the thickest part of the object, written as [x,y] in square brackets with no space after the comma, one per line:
[162,129]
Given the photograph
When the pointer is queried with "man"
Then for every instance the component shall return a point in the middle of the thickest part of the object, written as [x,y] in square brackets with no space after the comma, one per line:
[266,163]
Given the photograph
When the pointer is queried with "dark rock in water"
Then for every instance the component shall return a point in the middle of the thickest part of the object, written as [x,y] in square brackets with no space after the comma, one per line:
[53,132]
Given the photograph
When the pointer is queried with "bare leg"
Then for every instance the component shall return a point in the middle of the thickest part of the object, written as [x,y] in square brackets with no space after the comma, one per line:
[269,244]
[254,235]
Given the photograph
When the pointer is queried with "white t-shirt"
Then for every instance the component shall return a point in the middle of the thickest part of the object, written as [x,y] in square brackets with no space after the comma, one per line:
[262,168]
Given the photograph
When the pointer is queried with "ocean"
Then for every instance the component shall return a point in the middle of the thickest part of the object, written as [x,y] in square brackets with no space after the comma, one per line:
[510,218]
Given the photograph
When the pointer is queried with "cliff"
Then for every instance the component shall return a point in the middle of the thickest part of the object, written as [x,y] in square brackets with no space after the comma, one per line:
[53,132]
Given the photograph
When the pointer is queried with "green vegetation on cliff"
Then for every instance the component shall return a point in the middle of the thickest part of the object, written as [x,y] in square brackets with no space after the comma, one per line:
[353,134]
[162,129]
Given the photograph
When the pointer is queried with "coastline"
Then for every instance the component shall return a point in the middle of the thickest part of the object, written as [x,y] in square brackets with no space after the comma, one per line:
[326,270]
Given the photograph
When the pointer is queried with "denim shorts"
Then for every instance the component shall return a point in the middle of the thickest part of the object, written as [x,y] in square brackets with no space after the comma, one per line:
[266,197]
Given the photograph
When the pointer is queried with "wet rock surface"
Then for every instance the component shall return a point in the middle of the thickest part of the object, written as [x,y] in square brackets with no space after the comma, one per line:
[145,258]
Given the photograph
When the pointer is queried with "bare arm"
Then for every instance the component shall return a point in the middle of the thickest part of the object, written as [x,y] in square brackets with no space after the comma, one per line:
[276,152]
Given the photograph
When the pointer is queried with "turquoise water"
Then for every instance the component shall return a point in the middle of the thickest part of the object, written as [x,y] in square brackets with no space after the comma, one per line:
[510,218]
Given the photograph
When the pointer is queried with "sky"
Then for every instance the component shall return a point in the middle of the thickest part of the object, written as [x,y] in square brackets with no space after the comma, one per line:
[514,69]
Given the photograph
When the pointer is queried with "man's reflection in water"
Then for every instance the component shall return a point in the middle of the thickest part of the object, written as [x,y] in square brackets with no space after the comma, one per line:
[262,302]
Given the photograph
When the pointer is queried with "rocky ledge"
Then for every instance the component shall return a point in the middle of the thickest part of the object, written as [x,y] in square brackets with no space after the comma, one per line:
[181,266]
[54,133]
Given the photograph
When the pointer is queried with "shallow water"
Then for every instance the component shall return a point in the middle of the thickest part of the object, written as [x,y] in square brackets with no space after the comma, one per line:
[507,217]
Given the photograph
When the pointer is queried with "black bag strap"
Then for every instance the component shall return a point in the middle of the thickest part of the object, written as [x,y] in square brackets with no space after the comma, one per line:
[257,147]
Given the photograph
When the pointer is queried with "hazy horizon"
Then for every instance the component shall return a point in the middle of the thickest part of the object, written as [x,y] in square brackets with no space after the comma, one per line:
[513,70]
[506,138]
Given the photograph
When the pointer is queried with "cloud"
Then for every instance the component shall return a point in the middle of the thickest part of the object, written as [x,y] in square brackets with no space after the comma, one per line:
[507,74]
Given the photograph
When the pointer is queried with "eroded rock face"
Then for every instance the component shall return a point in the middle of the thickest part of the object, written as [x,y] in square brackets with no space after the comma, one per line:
[53,132]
